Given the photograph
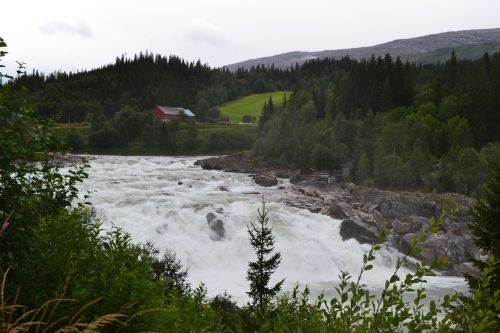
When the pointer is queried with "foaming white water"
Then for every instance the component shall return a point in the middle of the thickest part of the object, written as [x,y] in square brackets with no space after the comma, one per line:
[166,199]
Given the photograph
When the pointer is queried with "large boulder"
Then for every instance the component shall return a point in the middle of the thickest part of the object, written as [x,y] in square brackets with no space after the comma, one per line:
[355,228]
[265,180]
[468,268]
[407,227]
[340,210]
[405,242]
[216,227]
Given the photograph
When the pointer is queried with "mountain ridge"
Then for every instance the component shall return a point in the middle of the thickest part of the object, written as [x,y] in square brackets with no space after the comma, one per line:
[468,44]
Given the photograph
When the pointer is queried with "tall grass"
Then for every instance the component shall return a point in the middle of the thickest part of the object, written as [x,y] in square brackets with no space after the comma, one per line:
[59,315]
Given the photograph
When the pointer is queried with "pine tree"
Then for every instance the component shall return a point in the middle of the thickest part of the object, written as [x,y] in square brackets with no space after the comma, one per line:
[259,272]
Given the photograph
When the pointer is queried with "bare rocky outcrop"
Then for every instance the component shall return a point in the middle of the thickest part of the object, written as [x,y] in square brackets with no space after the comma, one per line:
[71,159]
[241,163]
[364,211]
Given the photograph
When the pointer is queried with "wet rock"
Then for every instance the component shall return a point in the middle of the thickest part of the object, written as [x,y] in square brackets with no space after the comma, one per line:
[265,180]
[340,210]
[223,188]
[403,228]
[405,242]
[355,228]
[238,162]
[379,218]
[468,268]
[436,247]
[216,226]
[319,184]
[180,183]
[369,207]
[210,217]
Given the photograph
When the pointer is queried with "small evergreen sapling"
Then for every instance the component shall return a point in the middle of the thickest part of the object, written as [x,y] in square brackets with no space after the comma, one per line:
[259,271]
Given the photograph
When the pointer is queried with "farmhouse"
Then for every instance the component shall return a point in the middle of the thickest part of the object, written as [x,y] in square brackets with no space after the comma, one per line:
[166,113]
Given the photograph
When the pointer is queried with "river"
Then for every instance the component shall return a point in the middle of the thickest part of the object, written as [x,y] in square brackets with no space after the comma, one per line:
[165,200]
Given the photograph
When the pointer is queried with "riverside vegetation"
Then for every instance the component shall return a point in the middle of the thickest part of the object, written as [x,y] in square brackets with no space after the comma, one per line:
[62,273]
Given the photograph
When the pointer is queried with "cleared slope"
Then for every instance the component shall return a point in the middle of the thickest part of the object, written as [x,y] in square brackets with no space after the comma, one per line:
[250,105]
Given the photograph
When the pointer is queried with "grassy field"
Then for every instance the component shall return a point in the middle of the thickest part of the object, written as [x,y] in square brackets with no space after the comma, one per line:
[81,128]
[250,105]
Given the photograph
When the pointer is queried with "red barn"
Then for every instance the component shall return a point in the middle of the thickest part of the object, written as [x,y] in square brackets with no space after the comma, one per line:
[166,113]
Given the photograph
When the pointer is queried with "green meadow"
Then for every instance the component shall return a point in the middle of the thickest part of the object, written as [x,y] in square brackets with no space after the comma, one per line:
[250,105]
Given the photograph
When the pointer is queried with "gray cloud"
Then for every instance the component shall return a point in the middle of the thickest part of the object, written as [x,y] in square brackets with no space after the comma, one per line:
[202,31]
[78,27]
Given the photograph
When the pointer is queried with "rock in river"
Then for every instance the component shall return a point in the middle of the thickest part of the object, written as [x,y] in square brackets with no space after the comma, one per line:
[265,180]
[216,226]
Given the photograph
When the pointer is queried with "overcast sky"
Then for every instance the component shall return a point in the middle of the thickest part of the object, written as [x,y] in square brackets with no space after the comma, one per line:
[68,34]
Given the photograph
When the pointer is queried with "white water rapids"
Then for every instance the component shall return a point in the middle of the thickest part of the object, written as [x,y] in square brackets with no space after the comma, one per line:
[166,199]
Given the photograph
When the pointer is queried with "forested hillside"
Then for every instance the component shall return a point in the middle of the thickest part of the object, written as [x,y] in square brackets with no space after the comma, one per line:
[143,82]
[117,100]
[431,127]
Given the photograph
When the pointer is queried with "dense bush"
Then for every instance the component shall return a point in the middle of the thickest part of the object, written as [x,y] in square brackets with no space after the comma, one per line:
[242,139]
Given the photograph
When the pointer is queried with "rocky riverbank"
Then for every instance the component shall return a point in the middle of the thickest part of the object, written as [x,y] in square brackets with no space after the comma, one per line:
[364,211]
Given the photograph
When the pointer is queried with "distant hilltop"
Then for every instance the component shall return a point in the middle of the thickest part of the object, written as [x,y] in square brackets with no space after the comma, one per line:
[468,44]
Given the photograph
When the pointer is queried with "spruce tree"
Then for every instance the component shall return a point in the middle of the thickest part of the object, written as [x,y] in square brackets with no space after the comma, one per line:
[264,116]
[123,135]
[452,70]
[259,271]
[486,225]
[270,106]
